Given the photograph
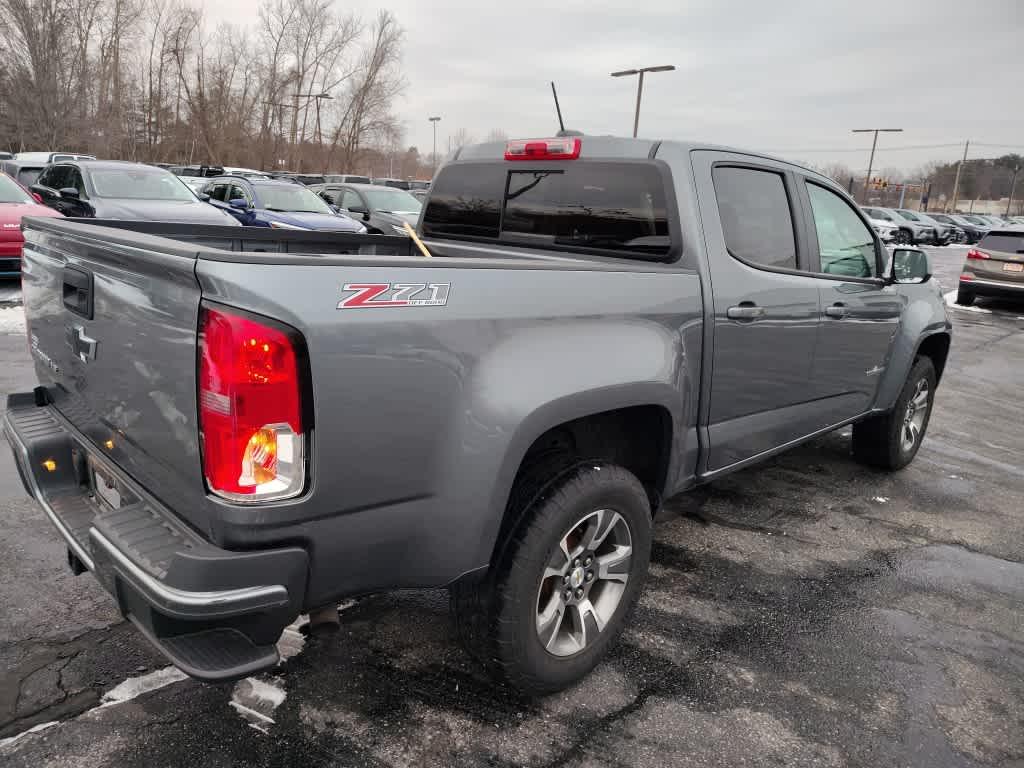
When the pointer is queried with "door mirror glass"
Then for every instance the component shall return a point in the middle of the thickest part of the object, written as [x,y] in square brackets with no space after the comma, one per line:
[69,192]
[238,202]
[910,265]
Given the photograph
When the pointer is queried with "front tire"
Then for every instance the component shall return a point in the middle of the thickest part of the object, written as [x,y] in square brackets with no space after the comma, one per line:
[563,589]
[891,440]
[903,237]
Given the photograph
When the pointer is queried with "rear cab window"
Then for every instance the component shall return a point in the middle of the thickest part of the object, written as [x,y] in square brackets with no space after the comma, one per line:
[756,219]
[611,208]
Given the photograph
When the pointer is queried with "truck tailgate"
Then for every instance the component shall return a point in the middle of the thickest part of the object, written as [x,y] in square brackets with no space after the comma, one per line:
[112,332]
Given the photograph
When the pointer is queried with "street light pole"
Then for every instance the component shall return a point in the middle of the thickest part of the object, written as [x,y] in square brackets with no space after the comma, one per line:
[640,87]
[434,121]
[874,143]
[1013,188]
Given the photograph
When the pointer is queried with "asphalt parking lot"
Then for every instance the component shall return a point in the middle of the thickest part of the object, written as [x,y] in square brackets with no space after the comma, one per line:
[808,612]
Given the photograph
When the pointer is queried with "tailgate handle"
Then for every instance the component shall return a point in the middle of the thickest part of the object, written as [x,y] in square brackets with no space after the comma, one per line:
[78,292]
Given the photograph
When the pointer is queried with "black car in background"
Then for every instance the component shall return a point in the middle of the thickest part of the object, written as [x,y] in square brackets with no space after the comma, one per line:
[972,232]
[112,189]
[384,210]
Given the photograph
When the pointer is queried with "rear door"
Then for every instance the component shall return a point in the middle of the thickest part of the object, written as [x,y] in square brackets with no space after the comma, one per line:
[859,313]
[765,306]
[112,333]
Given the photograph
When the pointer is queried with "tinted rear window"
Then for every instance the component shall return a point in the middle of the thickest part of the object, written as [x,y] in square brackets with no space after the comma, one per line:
[1007,242]
[597,206]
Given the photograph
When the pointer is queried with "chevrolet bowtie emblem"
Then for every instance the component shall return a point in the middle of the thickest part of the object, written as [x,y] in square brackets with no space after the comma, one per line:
[83,347]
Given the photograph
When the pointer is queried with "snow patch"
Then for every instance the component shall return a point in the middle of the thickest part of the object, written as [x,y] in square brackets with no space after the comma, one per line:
[33,729]
[12,320]
[950,299]
[880,499]
[136,686]
[255,701]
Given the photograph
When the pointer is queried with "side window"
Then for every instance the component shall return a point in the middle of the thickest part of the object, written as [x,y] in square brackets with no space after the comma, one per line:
[330,194]
[349,199]
[53,176]
[237,192]
[75,180]
[845,243]
[218,192]
[756,218]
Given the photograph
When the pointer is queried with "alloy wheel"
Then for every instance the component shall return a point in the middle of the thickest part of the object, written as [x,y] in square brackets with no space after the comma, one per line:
[583,582]
[914,416]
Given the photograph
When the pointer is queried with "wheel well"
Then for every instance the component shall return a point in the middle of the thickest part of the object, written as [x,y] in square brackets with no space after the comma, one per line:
[935,347]
[638,438]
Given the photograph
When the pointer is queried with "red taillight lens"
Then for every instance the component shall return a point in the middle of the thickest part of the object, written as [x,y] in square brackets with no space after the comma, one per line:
[543,149]
[250,408]
[974,253]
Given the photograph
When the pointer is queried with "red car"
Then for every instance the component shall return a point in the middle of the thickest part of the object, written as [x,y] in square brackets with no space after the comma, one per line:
[15,202]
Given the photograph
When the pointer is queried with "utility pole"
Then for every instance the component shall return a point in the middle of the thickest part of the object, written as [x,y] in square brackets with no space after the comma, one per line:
[319,135]
[640,87]
[956,181]
[433,122]
[874,143]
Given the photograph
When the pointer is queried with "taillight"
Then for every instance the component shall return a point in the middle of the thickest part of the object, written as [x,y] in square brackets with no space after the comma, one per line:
[974,253]
[543,149]
[250,408]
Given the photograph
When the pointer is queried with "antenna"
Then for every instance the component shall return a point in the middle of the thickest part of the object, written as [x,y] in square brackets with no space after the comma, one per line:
[558,109]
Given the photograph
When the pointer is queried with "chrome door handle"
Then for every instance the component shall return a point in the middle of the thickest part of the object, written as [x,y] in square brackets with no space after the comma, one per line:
[745,311]
[837,311]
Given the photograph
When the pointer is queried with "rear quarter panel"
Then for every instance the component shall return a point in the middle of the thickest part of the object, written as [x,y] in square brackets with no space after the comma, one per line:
[422,414]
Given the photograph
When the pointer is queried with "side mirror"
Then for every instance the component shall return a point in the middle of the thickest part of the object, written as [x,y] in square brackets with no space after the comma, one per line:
[333,207]
[239,202]
[909,265]
[203,197]
[358,210]
[69,192]
[37,197]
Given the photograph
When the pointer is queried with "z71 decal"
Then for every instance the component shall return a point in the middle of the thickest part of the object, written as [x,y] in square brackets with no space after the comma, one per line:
[368,295]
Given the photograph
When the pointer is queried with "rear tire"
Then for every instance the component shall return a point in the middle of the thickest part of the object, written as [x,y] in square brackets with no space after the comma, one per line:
[891,440]
[588,535]
[903,237]
[964,298]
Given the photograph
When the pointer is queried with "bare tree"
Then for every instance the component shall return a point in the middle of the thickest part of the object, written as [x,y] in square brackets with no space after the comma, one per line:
[496,134]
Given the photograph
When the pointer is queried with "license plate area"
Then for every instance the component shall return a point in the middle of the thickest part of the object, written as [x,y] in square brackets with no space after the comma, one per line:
[1013,266]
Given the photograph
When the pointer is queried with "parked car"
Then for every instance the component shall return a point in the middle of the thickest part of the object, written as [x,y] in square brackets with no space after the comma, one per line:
[972,233]
[51,157]
[911,231]
[396,183]
[306,179]
[6,156]
[114,189]
[946,231]
[993,221]
[15,202]
[941,233]
[886,229]
[25,172]
[503,419]
[196,170]
[345,178]
[976,228]
[247,172]
[383,210]
[995,267]
[275,203]
[419,184]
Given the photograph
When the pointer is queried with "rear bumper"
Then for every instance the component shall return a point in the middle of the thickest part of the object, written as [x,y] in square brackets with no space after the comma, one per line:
[10,259]
[981,287]
[216,614]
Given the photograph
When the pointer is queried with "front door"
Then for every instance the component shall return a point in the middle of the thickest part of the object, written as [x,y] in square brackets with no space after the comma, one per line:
[765,306]
[860,313]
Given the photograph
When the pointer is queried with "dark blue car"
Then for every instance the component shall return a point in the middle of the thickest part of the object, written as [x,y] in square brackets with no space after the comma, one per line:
[277,204]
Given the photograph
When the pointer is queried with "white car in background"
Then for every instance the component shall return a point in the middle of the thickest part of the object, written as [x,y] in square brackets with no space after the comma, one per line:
[886,229]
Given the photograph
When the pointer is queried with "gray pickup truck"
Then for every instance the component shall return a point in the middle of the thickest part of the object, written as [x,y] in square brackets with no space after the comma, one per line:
[234,427]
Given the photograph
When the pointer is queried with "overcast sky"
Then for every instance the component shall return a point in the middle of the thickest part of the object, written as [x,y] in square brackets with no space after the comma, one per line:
[789,76]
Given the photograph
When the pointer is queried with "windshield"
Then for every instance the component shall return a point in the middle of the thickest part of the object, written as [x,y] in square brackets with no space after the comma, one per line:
[138,184]
[291,198]
[908,215]
[392,200]
[976,220]
[10,192]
